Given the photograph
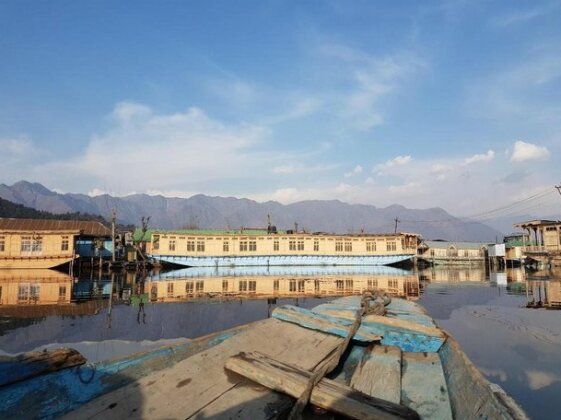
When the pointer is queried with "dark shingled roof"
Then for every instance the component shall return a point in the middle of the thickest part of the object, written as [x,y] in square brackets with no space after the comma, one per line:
[86,228]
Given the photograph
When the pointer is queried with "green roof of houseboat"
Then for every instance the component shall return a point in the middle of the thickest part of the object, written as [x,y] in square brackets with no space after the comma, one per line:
[214,232]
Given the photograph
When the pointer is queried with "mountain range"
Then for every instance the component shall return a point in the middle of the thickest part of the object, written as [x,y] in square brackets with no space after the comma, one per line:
[202,211]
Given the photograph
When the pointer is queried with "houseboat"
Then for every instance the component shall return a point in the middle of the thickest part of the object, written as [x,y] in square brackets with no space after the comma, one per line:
[33,243]
[452,253]
[263,248]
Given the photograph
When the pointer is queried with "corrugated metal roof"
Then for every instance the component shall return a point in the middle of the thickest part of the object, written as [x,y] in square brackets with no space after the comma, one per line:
[457,245]
[86,228]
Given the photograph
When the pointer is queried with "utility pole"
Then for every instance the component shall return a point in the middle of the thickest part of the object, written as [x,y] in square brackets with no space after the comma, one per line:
[113,219]
[396,220]
[558,187]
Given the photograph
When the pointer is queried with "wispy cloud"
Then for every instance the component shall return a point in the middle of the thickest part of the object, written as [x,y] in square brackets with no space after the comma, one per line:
[487,157]
[522,16]
[356,171]
[381,169]
[527,151]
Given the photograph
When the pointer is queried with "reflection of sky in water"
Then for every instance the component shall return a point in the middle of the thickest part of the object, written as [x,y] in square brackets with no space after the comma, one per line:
[516,347]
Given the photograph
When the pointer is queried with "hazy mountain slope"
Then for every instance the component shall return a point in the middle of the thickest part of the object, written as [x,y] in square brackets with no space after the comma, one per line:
[219,212]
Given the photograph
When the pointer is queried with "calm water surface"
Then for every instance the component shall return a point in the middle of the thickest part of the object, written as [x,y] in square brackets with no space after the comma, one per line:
[514,346]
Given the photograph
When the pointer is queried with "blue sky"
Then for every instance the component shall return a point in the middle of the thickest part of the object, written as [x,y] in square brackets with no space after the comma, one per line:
[454,104]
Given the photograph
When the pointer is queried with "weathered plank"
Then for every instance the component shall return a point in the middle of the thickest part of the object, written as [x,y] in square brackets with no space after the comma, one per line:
[325,323]
[199,386]
[379,374]
[423,386]
[407,335]
[326,394]
[31,364]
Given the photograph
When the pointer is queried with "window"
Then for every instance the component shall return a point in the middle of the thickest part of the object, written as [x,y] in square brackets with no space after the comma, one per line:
[252,245]
[275,245]
[372,283]
[349,284]
[199,286]
[392,284]
[300,245]
[37,245]
[243,245]
[226,246]
[292,245]
[224,286]
[348,246]
[252,285]
[316,285]
[275,285]
[316,245]
[2,244]
[338,246]
[200,246]
[61,292]
[292,286]
[190,246]
[301,285]
[34,291]
[64,244]
[432,252]
[466,253]
[189,288]
[339,284]
[171,245]
[370,246]
[170,289]
[26,244]
[242,286]
[23,292]
[156,242]
[391,246]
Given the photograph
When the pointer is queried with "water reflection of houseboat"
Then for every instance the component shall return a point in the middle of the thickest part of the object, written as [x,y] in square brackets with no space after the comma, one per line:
[544,294]
[262,248]
[35,293]
[452,275]
[394,281]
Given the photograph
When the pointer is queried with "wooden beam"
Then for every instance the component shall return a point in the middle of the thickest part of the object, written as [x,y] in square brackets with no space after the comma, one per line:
[324,323]
[327,394]
[28,365]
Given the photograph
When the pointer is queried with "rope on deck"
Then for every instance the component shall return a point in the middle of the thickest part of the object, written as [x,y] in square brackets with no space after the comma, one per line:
[378,308]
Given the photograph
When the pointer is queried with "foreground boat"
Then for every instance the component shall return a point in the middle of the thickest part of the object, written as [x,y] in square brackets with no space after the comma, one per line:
[397,366]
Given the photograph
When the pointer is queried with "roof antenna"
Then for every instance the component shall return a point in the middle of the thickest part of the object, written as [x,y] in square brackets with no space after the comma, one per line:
[396,220]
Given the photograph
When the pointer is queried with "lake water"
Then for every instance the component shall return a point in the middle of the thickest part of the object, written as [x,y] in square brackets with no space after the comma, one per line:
[106,317]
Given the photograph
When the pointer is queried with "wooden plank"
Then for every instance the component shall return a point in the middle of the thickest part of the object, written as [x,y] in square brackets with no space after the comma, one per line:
[407,335]
[379,374]
[423,386]
[31,364]
[325,323]
[199,385]
[326,394]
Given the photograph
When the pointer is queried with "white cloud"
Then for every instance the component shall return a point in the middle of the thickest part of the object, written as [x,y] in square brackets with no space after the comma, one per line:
[392,163]
[527,151]
[539,379]
[487,157]
[356,171]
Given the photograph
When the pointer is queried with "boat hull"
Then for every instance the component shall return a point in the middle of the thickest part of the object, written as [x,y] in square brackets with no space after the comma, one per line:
[281,260]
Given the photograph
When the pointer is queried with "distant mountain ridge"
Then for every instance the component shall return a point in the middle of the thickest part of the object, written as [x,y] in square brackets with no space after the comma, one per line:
[201,211]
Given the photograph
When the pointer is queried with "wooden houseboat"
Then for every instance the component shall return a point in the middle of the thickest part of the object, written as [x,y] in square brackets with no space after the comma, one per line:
[260,248]
[31,243]
[452,253]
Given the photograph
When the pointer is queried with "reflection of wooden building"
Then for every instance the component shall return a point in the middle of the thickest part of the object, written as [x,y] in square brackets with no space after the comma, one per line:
[36,287]
[29,243]
[544,294]
[452,275]
[280,286]
[457,253]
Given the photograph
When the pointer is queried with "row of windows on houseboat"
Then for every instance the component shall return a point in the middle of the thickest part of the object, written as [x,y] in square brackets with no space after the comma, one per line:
[34,244]
[293,245]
